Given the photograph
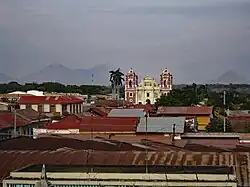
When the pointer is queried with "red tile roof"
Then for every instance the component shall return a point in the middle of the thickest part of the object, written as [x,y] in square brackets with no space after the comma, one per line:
[49,100]
[69,122]
[96,124]
[23,117]
[186,110]
[108,124]
[7,121]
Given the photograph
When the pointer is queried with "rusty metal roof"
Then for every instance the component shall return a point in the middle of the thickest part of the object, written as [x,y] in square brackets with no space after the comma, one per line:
[54,143]
[13,160]
[185,110]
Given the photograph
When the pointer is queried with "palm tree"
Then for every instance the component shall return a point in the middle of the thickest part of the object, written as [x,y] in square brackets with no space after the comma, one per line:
[116,79]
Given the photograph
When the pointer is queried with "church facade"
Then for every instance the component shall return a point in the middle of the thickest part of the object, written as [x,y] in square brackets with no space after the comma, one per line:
[148,90]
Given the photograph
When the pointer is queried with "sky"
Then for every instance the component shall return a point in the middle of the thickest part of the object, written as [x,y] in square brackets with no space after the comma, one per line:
[197,40]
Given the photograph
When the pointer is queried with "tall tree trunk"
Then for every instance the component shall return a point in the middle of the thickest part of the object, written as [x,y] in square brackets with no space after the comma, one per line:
[113,91]
[118,92]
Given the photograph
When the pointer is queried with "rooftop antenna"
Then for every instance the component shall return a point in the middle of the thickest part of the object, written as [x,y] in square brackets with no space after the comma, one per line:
[92,79]
[14,116]
[174,125]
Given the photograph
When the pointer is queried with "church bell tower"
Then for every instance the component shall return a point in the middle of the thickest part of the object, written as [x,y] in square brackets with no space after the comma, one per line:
[166,82]
[130,86]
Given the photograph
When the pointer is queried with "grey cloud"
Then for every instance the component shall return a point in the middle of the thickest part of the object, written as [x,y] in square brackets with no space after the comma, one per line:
[197,40]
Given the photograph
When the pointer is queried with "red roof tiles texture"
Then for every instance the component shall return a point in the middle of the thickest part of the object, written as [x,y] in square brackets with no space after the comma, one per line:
[69,122]
[49,100]
[187,110]
[23,117]
[7,121]
[95,124]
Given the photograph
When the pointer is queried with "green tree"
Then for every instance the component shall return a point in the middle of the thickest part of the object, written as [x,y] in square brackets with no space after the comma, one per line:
[116,79]
[217,125]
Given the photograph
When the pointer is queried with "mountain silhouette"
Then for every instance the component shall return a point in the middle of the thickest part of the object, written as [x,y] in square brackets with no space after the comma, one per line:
[4,78]
[59,73]
[230,77]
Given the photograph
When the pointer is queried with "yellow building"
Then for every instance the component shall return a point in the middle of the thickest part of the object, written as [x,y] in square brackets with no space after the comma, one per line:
[148,90]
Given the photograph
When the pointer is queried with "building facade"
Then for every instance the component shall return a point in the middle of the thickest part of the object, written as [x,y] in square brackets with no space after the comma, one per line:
[148,91]
[52,104]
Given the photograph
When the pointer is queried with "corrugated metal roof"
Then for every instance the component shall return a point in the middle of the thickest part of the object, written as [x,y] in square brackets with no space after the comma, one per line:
[185,110]
[131,112]
[161,125]
[54,143]
[14,160]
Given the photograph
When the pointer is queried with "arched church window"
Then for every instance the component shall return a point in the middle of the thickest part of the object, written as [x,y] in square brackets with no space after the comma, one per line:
[130,84]
[165,83]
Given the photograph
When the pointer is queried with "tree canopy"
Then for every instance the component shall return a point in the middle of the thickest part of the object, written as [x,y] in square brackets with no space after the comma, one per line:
[116,77]
[203,95]
[54,87]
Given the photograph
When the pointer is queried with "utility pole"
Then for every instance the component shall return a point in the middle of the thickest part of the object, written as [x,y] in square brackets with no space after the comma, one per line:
[14,116]
[146,159]
[173,127]
[224,103]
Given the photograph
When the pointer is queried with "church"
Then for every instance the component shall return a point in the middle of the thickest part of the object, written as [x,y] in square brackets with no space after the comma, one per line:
[148,90]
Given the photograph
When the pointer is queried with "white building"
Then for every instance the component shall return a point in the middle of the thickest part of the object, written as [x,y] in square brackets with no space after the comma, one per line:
[52,104]
[148,91]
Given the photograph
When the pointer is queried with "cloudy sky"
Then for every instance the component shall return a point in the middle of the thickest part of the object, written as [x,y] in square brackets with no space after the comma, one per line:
[197,40]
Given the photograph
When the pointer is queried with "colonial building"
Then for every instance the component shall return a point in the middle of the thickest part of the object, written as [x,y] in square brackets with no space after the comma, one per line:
[52,105]
[148,90]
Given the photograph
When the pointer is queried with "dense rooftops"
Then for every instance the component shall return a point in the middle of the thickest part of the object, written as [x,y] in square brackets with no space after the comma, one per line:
[49,100]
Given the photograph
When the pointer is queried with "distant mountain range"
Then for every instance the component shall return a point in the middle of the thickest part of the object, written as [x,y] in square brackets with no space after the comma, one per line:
[230,77]
[60,73]
[65,75]
[4,78]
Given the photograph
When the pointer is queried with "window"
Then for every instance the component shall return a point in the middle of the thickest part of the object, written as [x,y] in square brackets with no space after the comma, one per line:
[147,94]
[130,94]
[64,108]
[130,84]
[28,106]
[40,108]
[52,108]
